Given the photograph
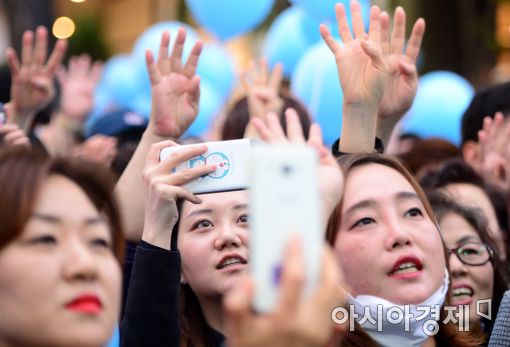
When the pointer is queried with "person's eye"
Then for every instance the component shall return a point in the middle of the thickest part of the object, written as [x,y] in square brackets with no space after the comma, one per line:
[44,240]
[414,212]
[362,222]
[202,224]
[101,242]
[245,219]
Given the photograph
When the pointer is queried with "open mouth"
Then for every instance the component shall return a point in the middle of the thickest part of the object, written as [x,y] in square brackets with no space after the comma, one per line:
[231,261]
[406,266]
[462,294]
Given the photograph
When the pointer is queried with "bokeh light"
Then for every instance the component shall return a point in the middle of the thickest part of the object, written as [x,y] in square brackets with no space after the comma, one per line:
[63,27]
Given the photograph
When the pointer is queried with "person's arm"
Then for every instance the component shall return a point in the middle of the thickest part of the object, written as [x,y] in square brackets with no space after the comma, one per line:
[32,78]
[175,94]
[403,77]
[363,75]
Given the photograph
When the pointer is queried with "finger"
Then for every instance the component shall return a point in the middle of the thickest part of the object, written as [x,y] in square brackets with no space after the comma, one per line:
[329,39]
[237,304]
[85,62]
[357,20]
[26,48]
[374,53]
[7,128]
[180,156]
[176,56]
[415,40]
[293,277]
[61,75]
[22,141]
[243,78]
[154,151]
[263,73]
[374,31]
[13,135]
[330,279]
[163,63]
[171,192]
[191,65]
[343,25]
[315,135]
[56,56]
[185,176]
[154,75]
[294,128]
[12,61]
[275,80]
[96,72]
[262,129]
[194,90]
[275,127]
[399,31]
[385,33]
[41,46]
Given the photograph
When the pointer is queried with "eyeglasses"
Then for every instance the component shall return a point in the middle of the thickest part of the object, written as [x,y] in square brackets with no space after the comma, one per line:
[472,253]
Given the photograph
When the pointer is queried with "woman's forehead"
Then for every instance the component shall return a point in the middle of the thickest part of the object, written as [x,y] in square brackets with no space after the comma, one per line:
[218,201]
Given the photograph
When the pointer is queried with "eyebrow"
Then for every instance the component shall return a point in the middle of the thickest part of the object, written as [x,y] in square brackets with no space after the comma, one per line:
[466,238]
[48,218]
[209,210]
[368,203]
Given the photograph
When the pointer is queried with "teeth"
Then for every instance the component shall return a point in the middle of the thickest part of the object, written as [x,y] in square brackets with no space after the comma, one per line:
[405,268]
[462,291]
[230,261]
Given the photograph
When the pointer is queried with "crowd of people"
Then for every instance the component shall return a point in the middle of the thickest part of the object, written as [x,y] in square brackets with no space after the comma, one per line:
[98,233]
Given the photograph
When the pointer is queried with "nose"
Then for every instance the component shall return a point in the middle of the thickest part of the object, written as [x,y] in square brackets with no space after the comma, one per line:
[397,235]
[228,236]
[79,261]
[457,268]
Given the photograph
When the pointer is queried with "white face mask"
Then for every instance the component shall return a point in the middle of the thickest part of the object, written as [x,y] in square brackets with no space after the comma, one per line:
[411,331]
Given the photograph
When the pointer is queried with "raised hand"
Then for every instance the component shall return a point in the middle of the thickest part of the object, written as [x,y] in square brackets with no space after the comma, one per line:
[262,90]
[78,82]
[32,86]
[295,322]
[98,148]
[331,178]
[175,87]
[403,77]
[11,135]
[361,68]
[163,188]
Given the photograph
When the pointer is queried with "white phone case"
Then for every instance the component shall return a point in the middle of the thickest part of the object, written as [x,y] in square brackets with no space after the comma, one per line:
[284,201]
[230,158]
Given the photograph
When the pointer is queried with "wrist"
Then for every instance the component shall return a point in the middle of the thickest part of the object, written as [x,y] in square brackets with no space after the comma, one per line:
[159,238]
[359,123]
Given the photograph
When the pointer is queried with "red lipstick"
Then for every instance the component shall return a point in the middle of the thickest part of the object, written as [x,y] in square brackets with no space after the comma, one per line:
[406,267]
[87,303]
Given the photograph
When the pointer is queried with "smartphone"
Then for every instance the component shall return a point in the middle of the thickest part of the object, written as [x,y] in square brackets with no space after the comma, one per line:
[284,201]
[230,158]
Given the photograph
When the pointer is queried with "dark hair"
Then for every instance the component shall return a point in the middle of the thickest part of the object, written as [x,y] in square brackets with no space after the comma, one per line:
[238,117]
[486,102]
[22,173]
[426,154]
[458,171]
[448,334]
[443,205]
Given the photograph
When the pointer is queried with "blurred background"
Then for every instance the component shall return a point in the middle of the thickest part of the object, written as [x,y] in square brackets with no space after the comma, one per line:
[468,38]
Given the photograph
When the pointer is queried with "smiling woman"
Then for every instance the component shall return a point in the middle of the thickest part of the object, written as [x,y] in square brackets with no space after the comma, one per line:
[60,241]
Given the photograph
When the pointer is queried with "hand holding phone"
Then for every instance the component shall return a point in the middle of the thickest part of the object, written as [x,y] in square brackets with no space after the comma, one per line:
[284,201]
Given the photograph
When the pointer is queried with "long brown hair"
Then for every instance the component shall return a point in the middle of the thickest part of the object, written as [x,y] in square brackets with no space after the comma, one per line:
[22,173]
[448,334]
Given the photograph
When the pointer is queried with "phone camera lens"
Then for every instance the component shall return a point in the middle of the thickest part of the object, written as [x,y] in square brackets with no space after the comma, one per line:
[287,169]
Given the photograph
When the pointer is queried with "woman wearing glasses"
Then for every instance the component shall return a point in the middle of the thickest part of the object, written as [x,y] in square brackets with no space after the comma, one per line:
[476,271]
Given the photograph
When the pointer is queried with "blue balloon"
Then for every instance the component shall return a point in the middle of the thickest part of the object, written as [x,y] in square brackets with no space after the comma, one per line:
[120,80]
[229,18]
[217,67]
[315,82]
[151,39]
[211,102]
[115,340]
[289,37]
[324,10]
[442,98]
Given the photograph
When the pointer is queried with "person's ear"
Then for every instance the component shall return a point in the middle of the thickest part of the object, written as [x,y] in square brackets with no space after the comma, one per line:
[470,152]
